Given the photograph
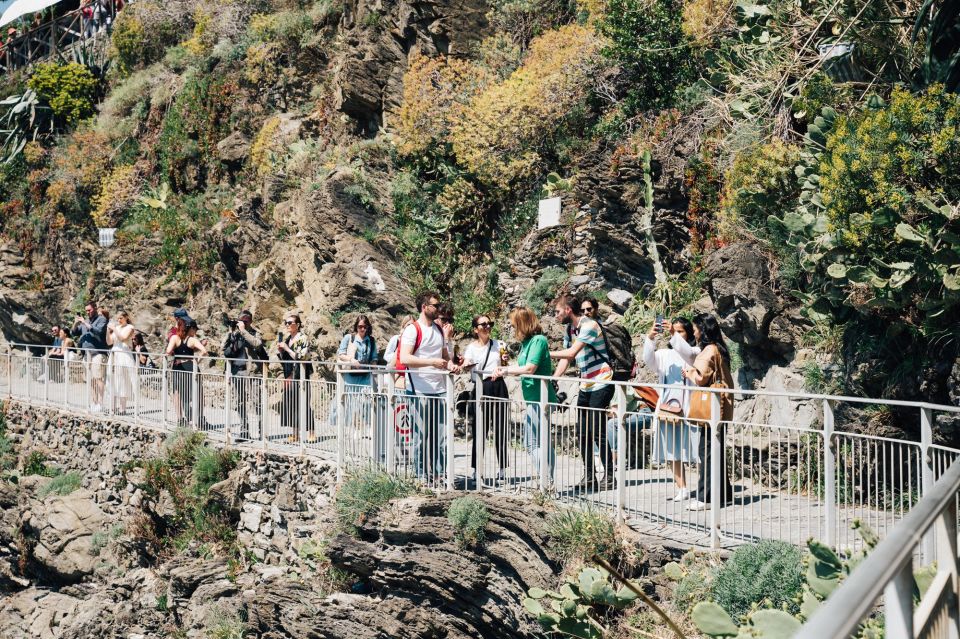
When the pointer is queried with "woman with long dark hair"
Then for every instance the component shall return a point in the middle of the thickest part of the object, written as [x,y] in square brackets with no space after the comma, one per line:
[357,353]
[675,441]
[482,357]
[711,367]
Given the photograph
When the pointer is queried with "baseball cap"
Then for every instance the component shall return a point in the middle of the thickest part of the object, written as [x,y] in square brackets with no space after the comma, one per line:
[246,313]
[181,313]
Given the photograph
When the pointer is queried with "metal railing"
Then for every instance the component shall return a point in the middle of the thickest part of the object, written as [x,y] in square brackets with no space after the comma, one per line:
[780,478]
[888,573]
[53,38]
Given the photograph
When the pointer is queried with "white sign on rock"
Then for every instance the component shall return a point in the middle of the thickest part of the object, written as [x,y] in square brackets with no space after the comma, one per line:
[549,213]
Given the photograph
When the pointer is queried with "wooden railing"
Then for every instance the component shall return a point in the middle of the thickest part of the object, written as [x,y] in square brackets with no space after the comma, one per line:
[52,39]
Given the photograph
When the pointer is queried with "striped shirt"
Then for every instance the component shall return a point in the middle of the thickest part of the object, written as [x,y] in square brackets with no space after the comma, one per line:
[592,360]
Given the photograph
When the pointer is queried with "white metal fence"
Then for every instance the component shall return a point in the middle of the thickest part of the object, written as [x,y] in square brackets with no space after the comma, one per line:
[778,480]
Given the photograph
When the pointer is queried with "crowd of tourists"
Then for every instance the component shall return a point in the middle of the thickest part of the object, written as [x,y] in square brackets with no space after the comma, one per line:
[419,359]
[23,36]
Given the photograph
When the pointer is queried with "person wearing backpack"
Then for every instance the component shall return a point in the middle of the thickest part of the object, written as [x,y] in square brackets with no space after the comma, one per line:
[584,342]
[423,352]
[244,352]
[358,352]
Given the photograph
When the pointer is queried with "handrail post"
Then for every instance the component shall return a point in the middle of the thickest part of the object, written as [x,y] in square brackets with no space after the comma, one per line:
[227,408]
[479,431]
[448,427]
[136,388]
[374,419]
[829,477]
[9,371]
[46,377]
[264,405]
[195,385]
[302,407]
[621,451]
[88,381]
[390,437]
[898,603]
[716,461]
[544,434]
[164,391]
[927,474]
[341,431]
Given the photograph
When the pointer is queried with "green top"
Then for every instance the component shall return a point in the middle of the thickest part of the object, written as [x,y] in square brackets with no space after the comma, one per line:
[535,350]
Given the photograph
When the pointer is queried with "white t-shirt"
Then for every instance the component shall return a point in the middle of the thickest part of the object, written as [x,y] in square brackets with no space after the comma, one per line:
[476,353]
[431,347]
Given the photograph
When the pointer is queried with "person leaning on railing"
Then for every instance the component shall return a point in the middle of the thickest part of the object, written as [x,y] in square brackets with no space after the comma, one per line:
[711,368]
[534,359]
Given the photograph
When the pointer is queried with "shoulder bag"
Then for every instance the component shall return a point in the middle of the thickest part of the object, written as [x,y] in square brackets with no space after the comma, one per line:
[700,400]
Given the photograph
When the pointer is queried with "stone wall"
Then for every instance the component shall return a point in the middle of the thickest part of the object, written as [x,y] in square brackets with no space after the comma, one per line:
[283,500]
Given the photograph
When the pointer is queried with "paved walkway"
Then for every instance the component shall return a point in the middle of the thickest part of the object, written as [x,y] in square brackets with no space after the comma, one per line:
[791,510]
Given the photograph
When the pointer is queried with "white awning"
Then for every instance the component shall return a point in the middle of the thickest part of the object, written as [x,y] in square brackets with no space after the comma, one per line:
[16,8]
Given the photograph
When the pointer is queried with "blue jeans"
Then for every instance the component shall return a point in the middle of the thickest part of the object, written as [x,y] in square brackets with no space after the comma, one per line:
[429,441]
[634,423]
[531,440]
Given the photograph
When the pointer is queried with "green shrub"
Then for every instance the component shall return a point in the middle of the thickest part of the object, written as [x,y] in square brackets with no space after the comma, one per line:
[469,518]
[211,465]
[70,89]
[224,626]
[648,43]
[364,493]
[36,464]
[61,485]
[581,534]
[544,291]
[770,570]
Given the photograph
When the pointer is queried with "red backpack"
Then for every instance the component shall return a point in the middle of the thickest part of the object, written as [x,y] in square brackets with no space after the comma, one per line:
[400,367]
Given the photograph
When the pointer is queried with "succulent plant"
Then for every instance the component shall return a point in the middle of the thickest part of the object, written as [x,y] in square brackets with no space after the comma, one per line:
[568,611]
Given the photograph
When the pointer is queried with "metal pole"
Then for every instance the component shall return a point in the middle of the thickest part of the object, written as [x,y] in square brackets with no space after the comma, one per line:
[898,604]
[10,372]
[227,407]
[716,461]
[927,475]
[264,398]
[829,477]
[86,359]
[341,431]
[945,530]
[46,376]
[621,452]
[544,437]
[479,431]
[194,382]
[302,408]
[390,436]
[164,389]
[448,426]
[136,388]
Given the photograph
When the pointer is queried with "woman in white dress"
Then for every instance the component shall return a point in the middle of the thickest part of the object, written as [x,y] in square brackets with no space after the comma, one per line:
[120,338]
[675,442]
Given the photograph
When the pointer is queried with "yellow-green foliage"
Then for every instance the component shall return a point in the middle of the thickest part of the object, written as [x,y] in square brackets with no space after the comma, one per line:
[878,164]
[759,184]
[76,168]
[435,92]
[505,127]
[704,19]
[203,37]
[264,146]
[127,42]
[70,89]
[118,194]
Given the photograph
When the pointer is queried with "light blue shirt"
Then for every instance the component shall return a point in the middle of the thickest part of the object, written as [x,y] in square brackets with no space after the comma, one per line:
[366,354]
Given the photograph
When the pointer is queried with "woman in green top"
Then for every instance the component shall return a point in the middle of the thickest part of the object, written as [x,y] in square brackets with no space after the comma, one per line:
[534,359]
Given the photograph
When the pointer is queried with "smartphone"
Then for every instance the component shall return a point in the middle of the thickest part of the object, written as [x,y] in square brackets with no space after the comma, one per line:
[279,336]
[659,325]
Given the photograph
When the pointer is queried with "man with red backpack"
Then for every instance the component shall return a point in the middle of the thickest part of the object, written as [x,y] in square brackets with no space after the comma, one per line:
[423,349]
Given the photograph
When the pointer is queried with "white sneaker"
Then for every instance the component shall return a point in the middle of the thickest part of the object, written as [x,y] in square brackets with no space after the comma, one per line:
[696,504]
[682,493]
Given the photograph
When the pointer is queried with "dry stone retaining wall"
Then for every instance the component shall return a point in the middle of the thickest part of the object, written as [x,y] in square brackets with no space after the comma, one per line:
[284,499]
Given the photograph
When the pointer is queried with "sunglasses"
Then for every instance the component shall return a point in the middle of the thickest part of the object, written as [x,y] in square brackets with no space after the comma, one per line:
[587,309]
[359,326]
[484,324]
[289,322]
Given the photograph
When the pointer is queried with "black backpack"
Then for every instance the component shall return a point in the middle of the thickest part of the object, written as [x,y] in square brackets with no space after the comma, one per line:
[620,350]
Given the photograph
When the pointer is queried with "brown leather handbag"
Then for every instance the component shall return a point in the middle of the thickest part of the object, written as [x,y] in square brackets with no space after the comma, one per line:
[700,400]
